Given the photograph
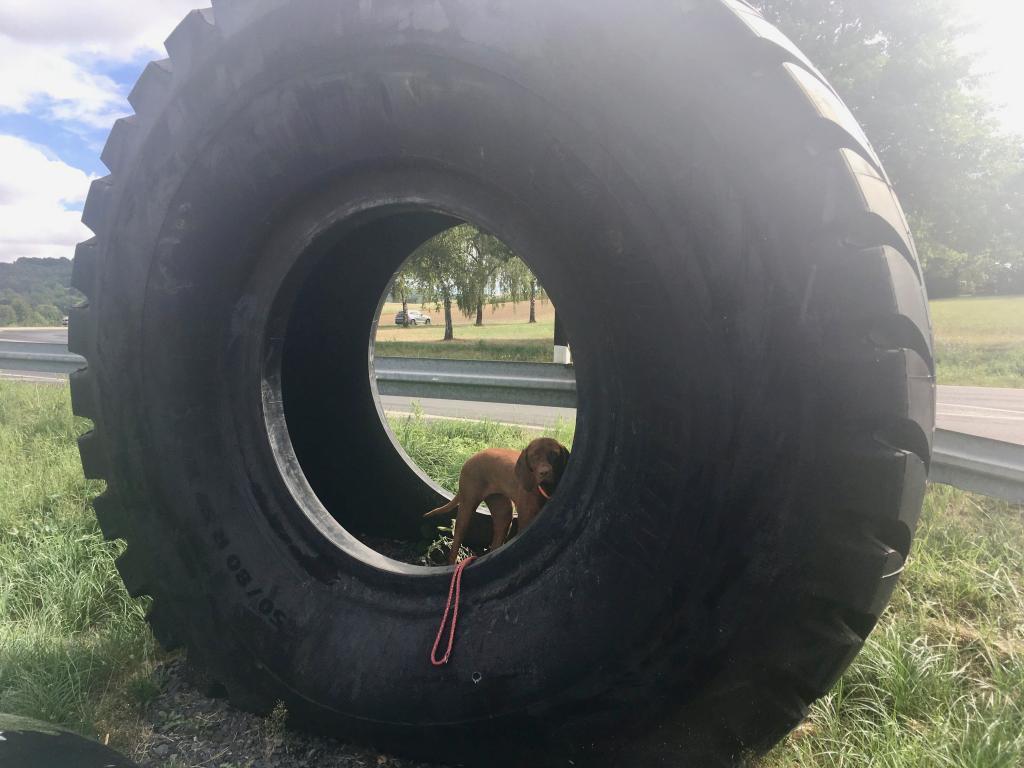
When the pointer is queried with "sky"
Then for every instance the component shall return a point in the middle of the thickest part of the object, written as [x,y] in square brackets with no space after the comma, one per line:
[66,67]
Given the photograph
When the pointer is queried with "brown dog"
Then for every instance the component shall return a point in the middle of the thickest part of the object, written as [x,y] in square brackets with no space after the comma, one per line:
[503,477]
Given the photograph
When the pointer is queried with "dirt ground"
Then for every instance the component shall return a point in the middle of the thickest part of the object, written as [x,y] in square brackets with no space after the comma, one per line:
[187,729]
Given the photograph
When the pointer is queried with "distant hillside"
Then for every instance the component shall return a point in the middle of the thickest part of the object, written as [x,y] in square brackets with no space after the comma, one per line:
[36,292]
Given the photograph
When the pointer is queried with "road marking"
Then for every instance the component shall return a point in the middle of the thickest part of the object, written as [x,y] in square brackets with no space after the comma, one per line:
[982,408]
[24,377]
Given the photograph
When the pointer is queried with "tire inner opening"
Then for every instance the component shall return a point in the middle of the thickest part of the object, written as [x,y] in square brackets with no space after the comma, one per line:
[348,443]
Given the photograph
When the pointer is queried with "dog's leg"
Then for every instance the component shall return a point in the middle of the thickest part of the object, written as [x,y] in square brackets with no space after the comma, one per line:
[527,508]
[462,520]
[501,518]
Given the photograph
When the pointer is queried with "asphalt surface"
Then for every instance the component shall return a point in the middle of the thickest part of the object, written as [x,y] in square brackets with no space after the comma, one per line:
[997,414]
[40,335]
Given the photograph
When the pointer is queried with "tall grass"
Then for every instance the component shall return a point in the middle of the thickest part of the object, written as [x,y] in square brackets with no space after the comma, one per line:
[70,636]
[440,447]
[940,683]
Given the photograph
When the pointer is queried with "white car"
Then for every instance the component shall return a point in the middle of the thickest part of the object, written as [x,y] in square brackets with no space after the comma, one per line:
[415,318]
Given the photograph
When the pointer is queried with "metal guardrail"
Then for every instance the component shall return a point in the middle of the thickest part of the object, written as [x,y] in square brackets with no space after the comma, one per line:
[972,463]
[478,380]
[989,467]
[38,357]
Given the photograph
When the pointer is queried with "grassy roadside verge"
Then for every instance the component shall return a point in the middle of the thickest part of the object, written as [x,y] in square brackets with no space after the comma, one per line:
[939,684]
[979,341]
[74,648]
[518,351]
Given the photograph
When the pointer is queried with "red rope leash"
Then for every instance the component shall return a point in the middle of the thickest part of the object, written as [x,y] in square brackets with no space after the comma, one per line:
[454,589]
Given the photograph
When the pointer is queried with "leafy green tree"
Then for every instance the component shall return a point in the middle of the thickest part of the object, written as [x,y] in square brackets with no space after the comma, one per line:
[483,256]
[904,71]
[438,268]
[23,314]
[48,314]
[517,282]
[37,291]
[401,288]
[7,316]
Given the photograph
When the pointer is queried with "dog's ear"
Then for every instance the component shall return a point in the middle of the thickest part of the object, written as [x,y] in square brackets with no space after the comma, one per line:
[524,474]
[563,460]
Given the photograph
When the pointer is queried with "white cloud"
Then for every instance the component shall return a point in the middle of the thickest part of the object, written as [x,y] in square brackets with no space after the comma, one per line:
[33,78]
[47,50]
[40,202]
[115,29]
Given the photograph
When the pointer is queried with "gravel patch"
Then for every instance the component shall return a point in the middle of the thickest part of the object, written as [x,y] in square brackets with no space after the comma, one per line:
[186,729]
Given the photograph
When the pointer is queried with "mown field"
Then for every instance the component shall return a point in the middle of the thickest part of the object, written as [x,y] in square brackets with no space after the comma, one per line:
[978,341]
[939,683]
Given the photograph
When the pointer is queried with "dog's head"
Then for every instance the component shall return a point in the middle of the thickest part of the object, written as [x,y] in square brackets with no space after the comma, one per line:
[542,463]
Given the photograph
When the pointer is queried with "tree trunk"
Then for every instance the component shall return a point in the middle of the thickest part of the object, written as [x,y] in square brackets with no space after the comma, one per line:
[449,331]
[479,314]
[405,309]
[533,301]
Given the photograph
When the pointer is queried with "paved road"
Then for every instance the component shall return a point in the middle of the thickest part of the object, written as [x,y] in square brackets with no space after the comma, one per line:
[994,413]
[41,335]
[540,416]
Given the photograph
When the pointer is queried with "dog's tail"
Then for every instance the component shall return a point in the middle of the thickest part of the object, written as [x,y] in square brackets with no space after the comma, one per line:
[445,510]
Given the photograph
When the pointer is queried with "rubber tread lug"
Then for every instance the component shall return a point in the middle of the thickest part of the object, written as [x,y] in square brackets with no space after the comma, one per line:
[97,204]
[833,110]
[111,516]
[151,89]
[80,330]
[132,568]
[878,200]
[83,393]
[191,39]
[233,15]
[94,463]
[165,626]
[83,268]
[120,143]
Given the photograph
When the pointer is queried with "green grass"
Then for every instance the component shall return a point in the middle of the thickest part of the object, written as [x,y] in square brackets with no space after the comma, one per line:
[495,340]
[938,684]
[516,350]
[71,640]
[441,447]
[979,341]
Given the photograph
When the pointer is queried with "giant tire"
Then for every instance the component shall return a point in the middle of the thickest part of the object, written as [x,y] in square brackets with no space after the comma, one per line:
[743,489]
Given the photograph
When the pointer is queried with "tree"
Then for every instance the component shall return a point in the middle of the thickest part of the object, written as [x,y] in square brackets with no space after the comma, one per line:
[517,282]
[48,314]
[483,256]
[904,71]
[7,316]
[401,287]
[23,314]
[36,291]
[438,269]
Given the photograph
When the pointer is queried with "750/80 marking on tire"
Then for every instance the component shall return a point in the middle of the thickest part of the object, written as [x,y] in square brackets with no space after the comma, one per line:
[265,607]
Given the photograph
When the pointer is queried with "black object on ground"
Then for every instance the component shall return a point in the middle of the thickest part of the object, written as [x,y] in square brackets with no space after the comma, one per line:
[750,336]
[27,743]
